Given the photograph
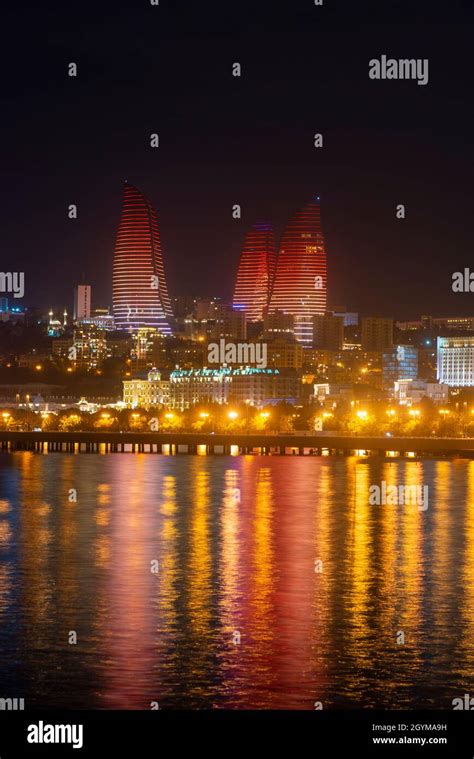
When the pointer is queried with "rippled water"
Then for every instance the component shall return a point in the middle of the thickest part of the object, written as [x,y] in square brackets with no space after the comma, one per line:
[230,567]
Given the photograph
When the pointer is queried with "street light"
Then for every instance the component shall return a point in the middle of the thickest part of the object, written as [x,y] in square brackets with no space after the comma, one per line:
[232,414]
[362,414]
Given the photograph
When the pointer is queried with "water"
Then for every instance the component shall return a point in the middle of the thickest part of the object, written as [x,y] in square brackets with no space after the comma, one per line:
[227,568]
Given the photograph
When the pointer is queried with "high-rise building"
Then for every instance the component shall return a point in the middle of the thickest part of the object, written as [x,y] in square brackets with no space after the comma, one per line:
[377,334]
[89,348]
[140,293]
[400,364]
[300,284]
[256,272]
[328,332]
[82,302]
[455,361]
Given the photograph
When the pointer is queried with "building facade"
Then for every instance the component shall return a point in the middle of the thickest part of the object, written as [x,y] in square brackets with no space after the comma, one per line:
[409,392]
[455,361]
[255,273]
[300,285]
[256,387]
[401,363]
[328,332]
[377,334]
[146,393]
[139,290]
[82,302]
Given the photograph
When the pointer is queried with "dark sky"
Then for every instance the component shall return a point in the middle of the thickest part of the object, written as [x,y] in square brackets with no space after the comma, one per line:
[225,140]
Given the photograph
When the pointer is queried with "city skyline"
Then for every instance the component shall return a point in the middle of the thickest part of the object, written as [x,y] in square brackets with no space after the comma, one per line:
[247,141]
[237,373]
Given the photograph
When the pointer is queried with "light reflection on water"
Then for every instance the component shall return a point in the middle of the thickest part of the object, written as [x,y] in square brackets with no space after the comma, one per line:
[230,570]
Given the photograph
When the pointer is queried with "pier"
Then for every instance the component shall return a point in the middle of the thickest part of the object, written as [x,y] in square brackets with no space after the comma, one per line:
[173,443]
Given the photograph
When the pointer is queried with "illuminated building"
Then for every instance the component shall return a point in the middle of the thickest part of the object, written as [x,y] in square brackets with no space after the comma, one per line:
[300,284]
[279,324]
[410,392]
[100,317]
[142,345]
[429,323]
[89,348]
[225,322]
[255,273]
[285,354]
[191,386]
[377,334]
[82,302]
[455,361]
[256,387]
[146,393]
[139,290]
[350,318]
[401,363]
[55,327]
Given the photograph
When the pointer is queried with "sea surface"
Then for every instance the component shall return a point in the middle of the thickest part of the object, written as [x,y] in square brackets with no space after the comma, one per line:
[234,582]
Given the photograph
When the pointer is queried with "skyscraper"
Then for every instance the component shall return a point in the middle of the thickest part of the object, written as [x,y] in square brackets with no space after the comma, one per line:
[300,284]
[255,273]
[140,295]
[82,302]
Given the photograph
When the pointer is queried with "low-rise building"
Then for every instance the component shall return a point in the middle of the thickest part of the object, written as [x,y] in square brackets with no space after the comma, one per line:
[409,392]
[146,393]
[251,385]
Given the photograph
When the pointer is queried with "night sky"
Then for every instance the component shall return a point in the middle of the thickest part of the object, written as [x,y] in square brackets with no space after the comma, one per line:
[247,140]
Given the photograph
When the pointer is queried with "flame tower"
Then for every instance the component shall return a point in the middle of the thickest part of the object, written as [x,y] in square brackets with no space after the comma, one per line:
[139,292]
[300,285]
[256,272]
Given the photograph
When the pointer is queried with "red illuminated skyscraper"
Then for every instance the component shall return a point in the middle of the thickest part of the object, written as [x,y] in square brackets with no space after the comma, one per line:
[256,271]
[140,295]
[300,285]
